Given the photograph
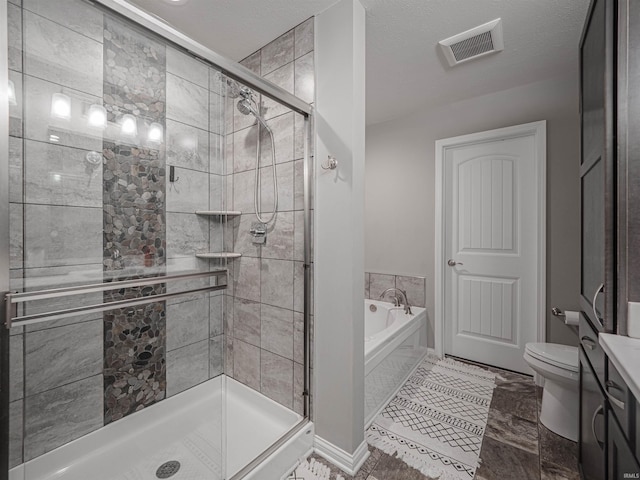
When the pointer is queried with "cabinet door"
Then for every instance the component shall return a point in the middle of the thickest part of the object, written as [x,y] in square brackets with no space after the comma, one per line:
[596,166]
[592,442]
[622,462]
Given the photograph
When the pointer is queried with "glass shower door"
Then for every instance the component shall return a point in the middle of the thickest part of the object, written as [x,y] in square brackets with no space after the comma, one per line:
[116,193]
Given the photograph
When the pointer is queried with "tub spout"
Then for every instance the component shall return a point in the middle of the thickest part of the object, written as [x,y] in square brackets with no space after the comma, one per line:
[401,295]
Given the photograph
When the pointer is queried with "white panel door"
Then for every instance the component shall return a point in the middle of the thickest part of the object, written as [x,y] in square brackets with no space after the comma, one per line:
[490,196]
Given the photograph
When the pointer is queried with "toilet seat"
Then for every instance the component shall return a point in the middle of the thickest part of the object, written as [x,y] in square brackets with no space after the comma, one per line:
[561,356]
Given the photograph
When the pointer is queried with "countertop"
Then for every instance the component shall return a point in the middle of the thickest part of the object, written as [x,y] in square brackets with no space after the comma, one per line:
[624,353]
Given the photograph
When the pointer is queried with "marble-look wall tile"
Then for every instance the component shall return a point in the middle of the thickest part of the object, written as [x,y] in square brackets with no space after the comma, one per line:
[283,77]
[243,185]
[216,159]
[217,192]
[187,67]
[280,238]
[298,388]
[252,62]
[58,175]
[187,366]
[277,331]
[189,193]
[305,78]
[75,15]
[243,240]
[282,128]
[187,322]
[229,356]
[247,278]
[245,148]
[217,81]
[62,355]
[246,321]
[304,37]
[15,432]
[62,235]
[187,234]
[187,102]
[40,125]
[14,19]
[16,111]
[246,364]
[216,114]
[16,367]
[299,127]
[16,235]
[187,146]
[15,170]
[276,374]
[378,283]
[277,53]
[78,59]
[284,172]
[367,285]
[415,288]
[62,276]
[277,283]
[216,315]
[58,416]
[298,236]
[216,356]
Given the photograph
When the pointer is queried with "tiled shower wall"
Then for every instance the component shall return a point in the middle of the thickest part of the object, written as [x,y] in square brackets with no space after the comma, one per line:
[264,310]
[376,283]
[74,223]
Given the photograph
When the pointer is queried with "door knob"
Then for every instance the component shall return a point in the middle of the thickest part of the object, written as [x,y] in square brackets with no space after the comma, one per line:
[453,263]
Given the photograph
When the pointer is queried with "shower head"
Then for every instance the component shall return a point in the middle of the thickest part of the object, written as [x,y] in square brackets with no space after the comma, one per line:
[245,107]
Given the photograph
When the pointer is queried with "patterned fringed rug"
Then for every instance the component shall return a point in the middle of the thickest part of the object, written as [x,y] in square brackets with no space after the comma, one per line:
[437,420]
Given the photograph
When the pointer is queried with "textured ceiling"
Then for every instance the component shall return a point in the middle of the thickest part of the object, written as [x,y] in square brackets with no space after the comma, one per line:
[405,70]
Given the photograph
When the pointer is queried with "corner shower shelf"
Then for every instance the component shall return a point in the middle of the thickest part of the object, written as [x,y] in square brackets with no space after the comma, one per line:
[218,255]
[218,213]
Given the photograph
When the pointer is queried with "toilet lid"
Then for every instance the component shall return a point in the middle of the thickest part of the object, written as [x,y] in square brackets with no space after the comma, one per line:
[562,356]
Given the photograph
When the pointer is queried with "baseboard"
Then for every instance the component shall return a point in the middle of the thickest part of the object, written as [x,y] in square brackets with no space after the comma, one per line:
[349,463]
[431,351]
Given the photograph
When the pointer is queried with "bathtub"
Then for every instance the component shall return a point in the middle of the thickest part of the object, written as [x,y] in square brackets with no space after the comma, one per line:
[394,344]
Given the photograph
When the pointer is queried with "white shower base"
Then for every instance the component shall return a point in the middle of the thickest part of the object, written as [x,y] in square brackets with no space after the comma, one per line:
[188,428]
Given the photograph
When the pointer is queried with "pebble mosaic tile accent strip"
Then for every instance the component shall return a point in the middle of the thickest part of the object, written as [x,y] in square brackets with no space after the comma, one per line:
[134,219]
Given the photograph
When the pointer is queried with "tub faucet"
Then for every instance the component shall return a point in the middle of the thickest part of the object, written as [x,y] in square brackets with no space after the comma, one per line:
[400,295]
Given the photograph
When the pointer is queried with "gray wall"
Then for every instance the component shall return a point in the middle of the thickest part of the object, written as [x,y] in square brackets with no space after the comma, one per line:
[400,186]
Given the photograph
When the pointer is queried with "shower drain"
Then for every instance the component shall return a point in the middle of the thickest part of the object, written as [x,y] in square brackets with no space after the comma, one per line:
[168,469]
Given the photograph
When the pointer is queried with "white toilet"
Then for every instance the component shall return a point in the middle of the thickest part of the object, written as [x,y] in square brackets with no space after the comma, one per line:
[558,365]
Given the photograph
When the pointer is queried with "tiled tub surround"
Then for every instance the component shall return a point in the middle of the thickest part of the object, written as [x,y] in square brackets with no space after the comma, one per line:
[264,307]
[69,377]
[376,283]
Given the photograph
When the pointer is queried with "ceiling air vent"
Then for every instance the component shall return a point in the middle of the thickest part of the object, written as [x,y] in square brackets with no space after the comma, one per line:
[473,43]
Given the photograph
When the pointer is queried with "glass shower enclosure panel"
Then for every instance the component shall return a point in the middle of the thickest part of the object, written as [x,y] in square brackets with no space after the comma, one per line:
[117,248]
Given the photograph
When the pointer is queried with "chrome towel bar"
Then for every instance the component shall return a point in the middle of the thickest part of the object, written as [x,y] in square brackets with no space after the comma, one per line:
[13,299]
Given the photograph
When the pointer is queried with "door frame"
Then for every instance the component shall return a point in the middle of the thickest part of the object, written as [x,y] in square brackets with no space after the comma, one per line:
[539,131]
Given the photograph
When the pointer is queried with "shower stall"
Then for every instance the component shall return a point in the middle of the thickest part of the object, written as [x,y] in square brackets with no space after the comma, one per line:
[155,251]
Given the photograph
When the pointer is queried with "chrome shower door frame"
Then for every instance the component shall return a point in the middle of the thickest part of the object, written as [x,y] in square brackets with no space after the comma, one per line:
[4,240]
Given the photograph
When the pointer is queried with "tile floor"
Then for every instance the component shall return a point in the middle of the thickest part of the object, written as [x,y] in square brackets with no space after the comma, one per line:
[515,445]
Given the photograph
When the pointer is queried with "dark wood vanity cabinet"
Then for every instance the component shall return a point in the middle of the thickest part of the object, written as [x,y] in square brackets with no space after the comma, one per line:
[622,463]
[609,429]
